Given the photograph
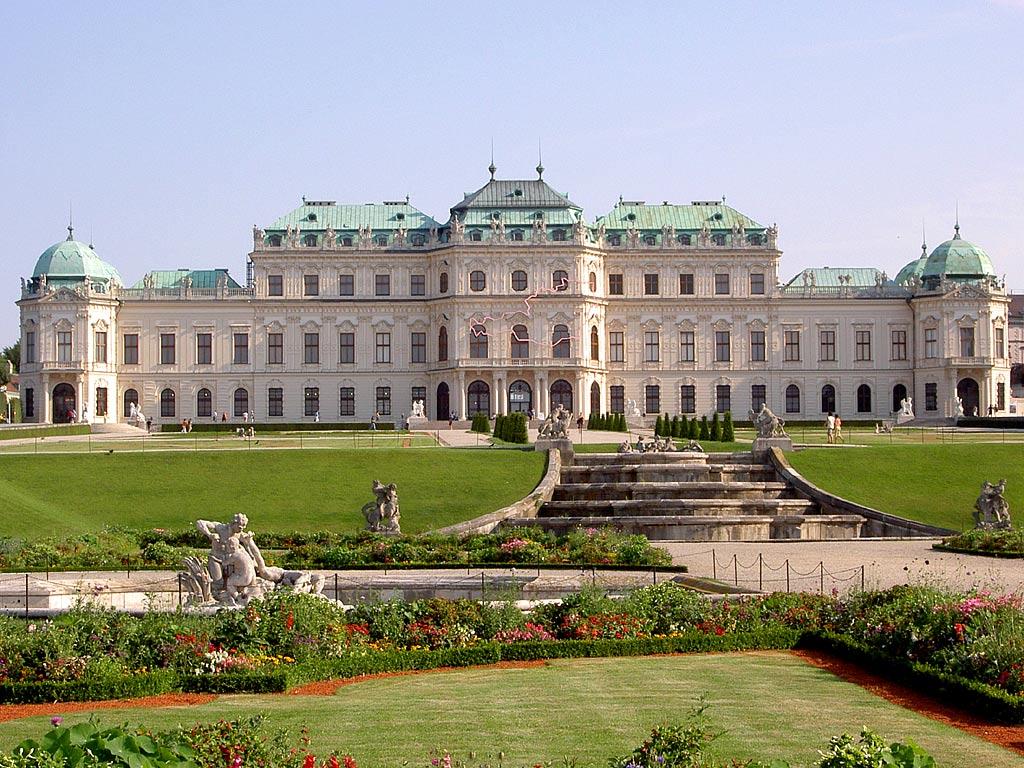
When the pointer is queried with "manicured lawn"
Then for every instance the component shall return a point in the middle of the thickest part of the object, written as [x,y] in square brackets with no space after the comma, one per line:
[934,484]
[768,704]
[279,490]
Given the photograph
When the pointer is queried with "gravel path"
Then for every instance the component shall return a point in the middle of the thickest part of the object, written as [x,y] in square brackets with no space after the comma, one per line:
[885,563]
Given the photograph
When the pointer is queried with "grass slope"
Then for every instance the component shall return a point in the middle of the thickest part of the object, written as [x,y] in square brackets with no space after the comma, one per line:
[592,709]
[934,484]
[279,490]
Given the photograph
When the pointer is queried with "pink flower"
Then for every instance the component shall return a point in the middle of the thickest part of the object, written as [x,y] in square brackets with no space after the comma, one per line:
[56,720]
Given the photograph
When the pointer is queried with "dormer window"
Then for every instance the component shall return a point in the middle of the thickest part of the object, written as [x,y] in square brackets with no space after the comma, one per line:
[615,240]
[517,235]
[382,241]
[685,240]
[347,242]
[650,240]
[631,217]
[518,192]
[718,239]
[311,217]
[418,240]
[400,216]
[275,241]
[476,236]
[309,240]
[755,239]
[558,235]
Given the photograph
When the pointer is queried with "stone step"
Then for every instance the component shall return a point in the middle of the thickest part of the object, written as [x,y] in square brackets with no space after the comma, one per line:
[611,473]
[669,490]
[676,457]
[715,508]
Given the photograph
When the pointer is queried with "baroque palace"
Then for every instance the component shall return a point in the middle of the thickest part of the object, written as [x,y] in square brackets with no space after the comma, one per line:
[515,303]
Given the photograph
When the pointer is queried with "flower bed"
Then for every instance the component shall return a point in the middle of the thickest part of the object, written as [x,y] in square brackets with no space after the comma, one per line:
[1007,543]
[957,642]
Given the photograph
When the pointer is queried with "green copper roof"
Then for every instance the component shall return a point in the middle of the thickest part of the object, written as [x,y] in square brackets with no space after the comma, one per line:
[201,278]
[516,194]
[693,217]
[72,261]
[913,269]
[311,216]
[958,259]
[828,277]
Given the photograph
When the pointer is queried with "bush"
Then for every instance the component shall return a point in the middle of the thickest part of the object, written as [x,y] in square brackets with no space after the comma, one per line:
[693,432]
[516,429]
[658,426]
[674,746]
[728,431]
[481,423]
[715,433]
[499,426]
[1009,542]
[705,432]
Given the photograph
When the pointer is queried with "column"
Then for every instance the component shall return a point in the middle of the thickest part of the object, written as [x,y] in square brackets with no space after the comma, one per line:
[501,396]
[542,396]
[581,389]
[460,407]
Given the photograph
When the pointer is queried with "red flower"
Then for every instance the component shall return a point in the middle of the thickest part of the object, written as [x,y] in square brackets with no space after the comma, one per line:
[350,762]
[290,621]
[332,762]
[309,762]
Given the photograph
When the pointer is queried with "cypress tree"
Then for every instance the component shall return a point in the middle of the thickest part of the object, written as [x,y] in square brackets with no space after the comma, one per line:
[674,431]
[693,432]
[515,428]
[658,426]
[499,426]
[716,428]
[705,433]
[666,426]
[728,433]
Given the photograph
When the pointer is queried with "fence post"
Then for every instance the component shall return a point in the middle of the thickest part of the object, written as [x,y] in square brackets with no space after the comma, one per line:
[179,590]
[481,584]
[26,595]
[654,574]
[335,587]
[821,586]
[714,565]
[735,570]
[760,572]
[862,578]
[787,574]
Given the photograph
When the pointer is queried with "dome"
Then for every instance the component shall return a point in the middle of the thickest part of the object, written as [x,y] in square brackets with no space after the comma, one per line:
[913,269]
[958,259]
[71,261]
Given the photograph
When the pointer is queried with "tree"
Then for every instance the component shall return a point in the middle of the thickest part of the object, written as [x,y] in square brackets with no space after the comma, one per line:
[674,429]
[716,428]
[694,429]
[499,427]
[728,433]
[13,353]
[705,433]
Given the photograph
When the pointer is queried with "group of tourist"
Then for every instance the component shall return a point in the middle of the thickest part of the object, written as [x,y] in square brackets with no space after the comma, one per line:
[186,425]
[834,428]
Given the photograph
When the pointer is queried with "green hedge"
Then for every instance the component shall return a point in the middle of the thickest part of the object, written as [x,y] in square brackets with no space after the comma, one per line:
[54,430]
[47,691]
[229,427]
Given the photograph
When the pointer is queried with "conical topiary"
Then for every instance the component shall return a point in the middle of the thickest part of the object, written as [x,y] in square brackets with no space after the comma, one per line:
[674,427]
[705,433]
[716,428]
[728,433]
[693,429]
[658,425]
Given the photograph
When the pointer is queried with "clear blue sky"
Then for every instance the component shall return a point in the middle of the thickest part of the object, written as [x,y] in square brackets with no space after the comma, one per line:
[174,127]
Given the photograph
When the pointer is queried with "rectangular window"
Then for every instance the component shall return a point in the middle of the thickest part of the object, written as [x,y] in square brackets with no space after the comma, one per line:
[863,345]
[723,398]
[757,283]
[346,285]
[419,285]
[30,346]
[792,349]
[614,285]
[311,348]
[688,398]
[652,399]
[723,353]
[931,342]
[757,347]
[383,348]
[827,346]
[966,342]
[311,401]
[931,396]
[1000,350]
[687,347]
[166,349]
[616,347]
[311,285]
[382,285]
[419,393]
[652,347]
[384,401]
[240,349]
[348,401]
[101,401]
[275,285]
[131,349]
[686,287]
[721,284]
[275,401]
[30,403]
[346,348]
[1000,396]
[204,348]
[275,349]
[419,347]
[617,394]
[100,349]
[899,345]
[758,396]
[64,346]
[651,284]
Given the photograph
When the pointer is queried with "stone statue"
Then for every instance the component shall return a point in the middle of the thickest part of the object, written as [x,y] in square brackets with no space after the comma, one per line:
[632,237]
[382,515]
[579,230]
[767,423]
[366,237]
[257,238]
[417,410]
[907,407]
[556,425]
[433,235]
[625,447]
[399,237]
[330,238]
[458,229]
[991,512]
[959,407]
[601,229]
[539,233]
[632,409]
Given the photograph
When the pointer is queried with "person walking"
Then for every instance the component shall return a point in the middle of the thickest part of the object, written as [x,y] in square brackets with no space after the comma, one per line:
[316,417]
[213,416]
[838,432]
[830,427]
[374,419]
[451,418]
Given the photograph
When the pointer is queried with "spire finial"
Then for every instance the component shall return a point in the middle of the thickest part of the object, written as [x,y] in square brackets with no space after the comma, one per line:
[924,241]
[71,226]
[956,227]
[492,167]
[540,163]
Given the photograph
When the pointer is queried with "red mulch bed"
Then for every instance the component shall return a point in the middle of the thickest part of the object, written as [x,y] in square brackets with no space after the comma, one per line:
[1008,736]
[17,711]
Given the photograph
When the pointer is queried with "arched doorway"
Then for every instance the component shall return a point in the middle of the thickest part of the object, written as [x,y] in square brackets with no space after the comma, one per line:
[520,397]
[899,394]
[595,398]
[63,403]
[131,396]
[479,400]
[561,392]
[967,391]
[443,406]
[828,399]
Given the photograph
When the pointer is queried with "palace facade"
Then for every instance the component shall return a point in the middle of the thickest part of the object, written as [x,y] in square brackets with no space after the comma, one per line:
[515,302]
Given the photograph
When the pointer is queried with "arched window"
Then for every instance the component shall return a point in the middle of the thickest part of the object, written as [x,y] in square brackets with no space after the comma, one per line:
[204,402]
[561,394]
[477,280]
[718,239]
[130,396]
[382,241]
[520,342]
[560,344]
[685,239]
[592,282]
[863,399]
[615,240]
[418,239]
[167,403]
[650,240]
[517,235]
[595,344]
[442,283]
[309,241]
[595,398]
[275,241]
[479,400]
[241,401]
[755,239]
[478,341]
[347,242]
[476,236]
[519,281]
[558,235]
[792,399]
[899,394]
[442,344]
[828,399]
[560,280]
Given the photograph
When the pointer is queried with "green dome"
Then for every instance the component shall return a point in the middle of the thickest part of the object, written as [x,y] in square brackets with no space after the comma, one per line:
[913,269]
[958,259]
[70,261]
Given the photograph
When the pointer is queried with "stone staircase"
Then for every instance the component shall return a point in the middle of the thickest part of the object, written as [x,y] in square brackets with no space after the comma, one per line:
[686,496]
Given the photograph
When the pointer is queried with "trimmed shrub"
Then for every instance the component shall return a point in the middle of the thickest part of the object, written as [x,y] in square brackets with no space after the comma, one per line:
[715,434]
[515,429]
[705,431]
[693,431]
[481,424]
[658,426]
[499,426]
[676,427]
[728,432]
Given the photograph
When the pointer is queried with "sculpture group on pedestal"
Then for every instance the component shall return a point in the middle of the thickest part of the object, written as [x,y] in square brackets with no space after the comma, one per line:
[235,572]
[657,445]
[767,423]
[382,515]
[991,511]
[556,425]
[417,410]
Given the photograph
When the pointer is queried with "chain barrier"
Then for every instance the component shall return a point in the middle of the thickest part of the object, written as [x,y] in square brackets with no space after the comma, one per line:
[730,569]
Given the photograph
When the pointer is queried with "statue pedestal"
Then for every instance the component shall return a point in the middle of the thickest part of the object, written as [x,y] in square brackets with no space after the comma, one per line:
[418,422]
[762,445]
[902,418]
[562,445]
